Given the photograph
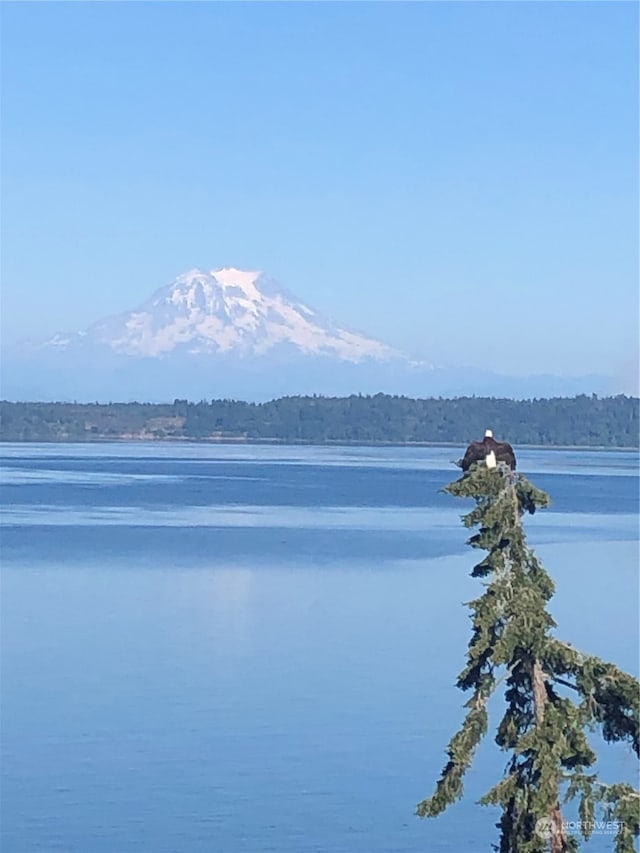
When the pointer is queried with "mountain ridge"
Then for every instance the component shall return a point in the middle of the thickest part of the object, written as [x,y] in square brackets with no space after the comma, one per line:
[225,311]
[240,334]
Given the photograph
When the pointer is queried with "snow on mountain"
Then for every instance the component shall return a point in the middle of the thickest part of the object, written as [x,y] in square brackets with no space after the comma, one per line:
[231,333]
[226,311]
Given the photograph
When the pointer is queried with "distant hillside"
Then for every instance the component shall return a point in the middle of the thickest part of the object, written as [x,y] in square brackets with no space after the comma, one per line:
[580,421]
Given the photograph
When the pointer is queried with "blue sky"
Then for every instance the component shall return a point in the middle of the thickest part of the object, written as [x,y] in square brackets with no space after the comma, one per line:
[457,179]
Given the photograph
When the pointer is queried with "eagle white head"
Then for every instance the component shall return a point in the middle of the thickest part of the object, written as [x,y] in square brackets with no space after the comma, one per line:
[488,433]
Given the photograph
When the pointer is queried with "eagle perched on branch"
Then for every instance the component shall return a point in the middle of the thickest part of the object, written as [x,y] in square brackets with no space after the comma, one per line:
[490,452]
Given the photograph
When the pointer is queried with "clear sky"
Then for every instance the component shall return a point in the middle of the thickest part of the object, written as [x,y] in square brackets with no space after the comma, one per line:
[457,179]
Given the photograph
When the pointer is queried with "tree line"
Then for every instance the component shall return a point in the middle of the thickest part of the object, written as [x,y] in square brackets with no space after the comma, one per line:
[576,421]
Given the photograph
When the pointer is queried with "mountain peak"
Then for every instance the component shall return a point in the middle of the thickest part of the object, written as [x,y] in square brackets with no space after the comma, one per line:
[230,276]
[233,276]
[190,275]
[227,311]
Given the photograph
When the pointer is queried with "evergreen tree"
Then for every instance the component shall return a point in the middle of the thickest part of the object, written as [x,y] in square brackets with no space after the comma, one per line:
[554,694]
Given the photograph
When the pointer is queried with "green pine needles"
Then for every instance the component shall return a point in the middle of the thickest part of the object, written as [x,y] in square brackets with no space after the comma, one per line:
[554,694]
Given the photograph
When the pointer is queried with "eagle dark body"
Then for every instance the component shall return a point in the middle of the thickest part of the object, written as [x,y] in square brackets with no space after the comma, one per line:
[479,450]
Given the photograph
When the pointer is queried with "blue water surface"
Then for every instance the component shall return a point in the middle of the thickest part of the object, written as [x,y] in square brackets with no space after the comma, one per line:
[224,648]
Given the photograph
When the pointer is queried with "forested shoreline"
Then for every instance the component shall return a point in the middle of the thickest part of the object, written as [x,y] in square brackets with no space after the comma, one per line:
[583,421]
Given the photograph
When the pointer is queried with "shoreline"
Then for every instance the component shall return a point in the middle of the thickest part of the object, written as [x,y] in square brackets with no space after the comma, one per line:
[230,440]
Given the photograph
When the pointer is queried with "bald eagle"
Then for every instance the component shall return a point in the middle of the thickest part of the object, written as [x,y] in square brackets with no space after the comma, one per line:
[490,451]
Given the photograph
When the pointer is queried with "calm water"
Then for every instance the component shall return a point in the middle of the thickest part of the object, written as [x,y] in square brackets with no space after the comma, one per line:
[250,649]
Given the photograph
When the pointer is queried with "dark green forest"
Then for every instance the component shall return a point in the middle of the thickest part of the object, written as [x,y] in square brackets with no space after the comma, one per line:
[578,421]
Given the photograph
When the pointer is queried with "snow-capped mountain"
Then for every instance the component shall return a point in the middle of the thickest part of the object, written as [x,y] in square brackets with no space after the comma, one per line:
[226,311]
[230,333]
